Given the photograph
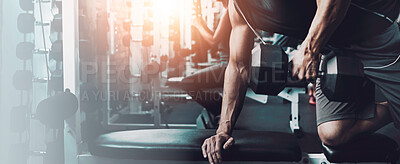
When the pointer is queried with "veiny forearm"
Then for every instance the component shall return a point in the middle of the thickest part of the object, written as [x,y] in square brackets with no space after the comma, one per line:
[235,87]
[329,15]
[236,76]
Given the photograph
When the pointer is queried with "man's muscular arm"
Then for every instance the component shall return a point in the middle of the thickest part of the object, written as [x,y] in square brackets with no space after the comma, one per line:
[329,15]
[235,86]
[237,72]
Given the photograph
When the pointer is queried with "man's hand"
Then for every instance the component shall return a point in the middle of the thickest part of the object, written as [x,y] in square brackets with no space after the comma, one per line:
[212,147]
[306,63]
[328,17]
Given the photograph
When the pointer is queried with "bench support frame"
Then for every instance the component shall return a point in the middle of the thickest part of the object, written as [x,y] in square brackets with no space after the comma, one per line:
[292,95]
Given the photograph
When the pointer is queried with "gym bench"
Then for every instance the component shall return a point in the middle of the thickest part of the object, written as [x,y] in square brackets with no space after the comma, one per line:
[368,148]
[184,146]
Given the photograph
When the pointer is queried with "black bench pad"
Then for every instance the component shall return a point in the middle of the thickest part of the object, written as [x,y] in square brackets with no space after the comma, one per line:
[368,148]
[185,145]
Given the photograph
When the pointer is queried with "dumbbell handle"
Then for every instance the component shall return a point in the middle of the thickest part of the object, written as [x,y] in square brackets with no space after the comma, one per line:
[326,58]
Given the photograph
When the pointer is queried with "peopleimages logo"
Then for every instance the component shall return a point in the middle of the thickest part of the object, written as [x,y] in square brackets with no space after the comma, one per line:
[145,95]
[115,72]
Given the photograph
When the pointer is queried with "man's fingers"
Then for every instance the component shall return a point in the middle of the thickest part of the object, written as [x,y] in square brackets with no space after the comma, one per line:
[297,62]
[209,155]
[294,71]
[212,147]
[308,74]
[218,146]
[210,159]
[315,70]
[204,149]
[314,74]
[311,76]
[301,74]
[219,156]
[213,150]
[214,157]
[229,143]
[312,71]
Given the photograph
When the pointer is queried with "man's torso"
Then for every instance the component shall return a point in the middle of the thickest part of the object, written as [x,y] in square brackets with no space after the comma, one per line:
[294,17]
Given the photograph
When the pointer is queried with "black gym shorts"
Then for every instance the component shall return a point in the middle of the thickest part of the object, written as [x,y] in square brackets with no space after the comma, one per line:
[374,40]
[379,50]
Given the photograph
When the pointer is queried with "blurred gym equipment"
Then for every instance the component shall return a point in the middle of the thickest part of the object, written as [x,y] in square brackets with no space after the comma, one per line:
[24,50]
[22,80]
[145,88]
[26,23]
[26,5]
[54,110]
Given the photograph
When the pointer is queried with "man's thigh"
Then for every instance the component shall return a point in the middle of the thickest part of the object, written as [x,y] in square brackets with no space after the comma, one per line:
[361,108]
[335,129]
[380,56]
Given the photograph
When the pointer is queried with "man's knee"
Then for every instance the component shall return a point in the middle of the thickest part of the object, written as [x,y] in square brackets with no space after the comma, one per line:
[335,133]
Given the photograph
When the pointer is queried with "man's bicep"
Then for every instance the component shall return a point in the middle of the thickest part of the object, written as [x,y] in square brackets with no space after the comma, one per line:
[241,43]
[242,38]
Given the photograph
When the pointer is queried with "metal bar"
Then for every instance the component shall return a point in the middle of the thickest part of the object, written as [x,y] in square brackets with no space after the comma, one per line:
[157,103]
[294,124]
[43,1]
[292,95]
[1,48]
[41,51]
[70,26]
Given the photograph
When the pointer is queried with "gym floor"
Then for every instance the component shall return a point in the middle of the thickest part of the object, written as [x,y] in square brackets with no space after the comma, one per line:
[273,116]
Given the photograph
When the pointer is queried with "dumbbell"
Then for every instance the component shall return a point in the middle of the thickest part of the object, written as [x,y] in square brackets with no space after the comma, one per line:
[342,76]
[53,110]
[269,70]
[152,70]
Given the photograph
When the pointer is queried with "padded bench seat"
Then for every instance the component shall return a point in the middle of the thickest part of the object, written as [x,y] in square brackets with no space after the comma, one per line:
[369,148]
[185,145]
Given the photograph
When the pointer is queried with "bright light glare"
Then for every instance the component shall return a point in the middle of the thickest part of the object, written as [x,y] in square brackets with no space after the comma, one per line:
[166,6]
[164,12]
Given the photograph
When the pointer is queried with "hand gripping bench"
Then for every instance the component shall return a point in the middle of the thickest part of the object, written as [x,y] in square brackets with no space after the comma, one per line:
[185,145]
[368,148]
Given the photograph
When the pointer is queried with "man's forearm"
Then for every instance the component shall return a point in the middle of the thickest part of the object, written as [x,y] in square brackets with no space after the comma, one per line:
[329,15]
[235,87]
[236,76]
